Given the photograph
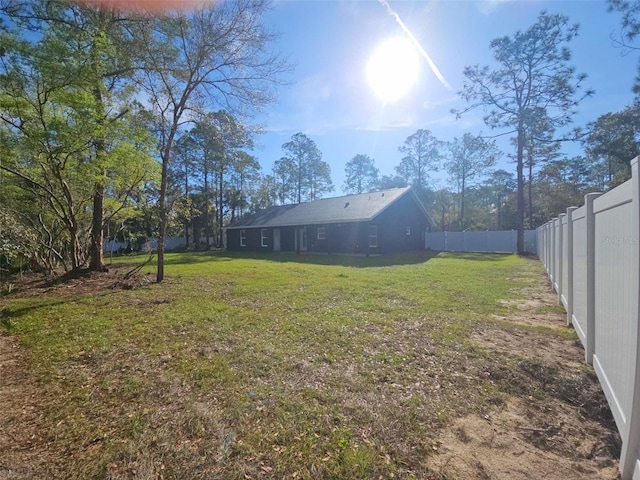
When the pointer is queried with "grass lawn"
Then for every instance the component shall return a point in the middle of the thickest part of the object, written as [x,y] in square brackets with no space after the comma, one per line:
[279,366]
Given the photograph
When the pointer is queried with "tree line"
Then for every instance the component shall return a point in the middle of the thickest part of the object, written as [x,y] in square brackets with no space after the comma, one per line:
[94,105]
[129,125]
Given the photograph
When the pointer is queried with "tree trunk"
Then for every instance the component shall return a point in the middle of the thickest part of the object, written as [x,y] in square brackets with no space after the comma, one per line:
[520,170]
[530,185]
[76,250]
[207,220]
[162,201]
[220,213]
[70,221]
[462,206]
[186,195]
[162,205]
[96,253]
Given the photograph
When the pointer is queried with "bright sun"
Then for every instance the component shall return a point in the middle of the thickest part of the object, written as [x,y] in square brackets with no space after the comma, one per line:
[393,68]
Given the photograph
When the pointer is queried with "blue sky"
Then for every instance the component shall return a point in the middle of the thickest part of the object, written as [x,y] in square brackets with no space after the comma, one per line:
[329,99]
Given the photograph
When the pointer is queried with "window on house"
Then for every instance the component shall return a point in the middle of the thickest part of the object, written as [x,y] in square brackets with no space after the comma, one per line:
[264,237]
[407,230]
[373,236]
[322,233]
[243,238]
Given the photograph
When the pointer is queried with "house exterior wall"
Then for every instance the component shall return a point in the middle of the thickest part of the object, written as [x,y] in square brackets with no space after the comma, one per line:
[252,240]
[401,227]
[393,234]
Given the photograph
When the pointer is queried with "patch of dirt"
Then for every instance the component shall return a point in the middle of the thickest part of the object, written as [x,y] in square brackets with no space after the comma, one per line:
[520,442]
[25,452]
[554,422]
[73,283]
[540,308]
[22,448]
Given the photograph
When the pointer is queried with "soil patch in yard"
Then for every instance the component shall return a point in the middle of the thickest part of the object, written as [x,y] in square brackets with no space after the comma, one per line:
[21,444]
[555,422]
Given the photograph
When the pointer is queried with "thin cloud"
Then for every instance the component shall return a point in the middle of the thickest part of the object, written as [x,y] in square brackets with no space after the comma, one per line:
[487,7]
[422,51]
[440,102]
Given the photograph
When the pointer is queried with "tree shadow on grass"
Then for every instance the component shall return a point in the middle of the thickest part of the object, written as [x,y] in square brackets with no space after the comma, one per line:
[346,260]
[358,261]
[335,259]
[477,256]
[9,314]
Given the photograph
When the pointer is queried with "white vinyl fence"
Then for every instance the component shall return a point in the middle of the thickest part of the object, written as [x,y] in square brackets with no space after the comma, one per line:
[592,257]
[500,241]
[170,243]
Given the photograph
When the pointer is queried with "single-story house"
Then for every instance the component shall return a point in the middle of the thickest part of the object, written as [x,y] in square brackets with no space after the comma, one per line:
[387,221]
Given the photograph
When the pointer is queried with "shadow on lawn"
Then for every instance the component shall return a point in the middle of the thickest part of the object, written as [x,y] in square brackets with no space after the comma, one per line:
[9,314]
[338,259]
[360,261]
[477,256]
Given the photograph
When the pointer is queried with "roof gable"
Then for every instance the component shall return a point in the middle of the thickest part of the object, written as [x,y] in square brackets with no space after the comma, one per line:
[349,208]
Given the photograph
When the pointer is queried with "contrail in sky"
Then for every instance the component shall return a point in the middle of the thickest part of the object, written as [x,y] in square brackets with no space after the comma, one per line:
[413,39]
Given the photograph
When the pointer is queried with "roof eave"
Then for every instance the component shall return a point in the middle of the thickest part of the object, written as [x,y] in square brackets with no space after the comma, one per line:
[409,191]
[280,225]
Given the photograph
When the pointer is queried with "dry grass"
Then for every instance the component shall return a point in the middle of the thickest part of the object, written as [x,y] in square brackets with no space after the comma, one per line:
[275,367]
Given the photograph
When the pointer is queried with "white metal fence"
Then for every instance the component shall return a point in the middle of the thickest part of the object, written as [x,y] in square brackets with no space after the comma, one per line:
[497,241]
[592,257]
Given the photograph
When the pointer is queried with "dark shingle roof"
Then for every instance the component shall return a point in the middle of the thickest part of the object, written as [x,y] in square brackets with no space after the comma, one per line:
[350,208]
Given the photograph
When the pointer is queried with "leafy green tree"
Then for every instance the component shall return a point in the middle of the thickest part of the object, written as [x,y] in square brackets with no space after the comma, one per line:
[361,175]
[391,181]
[421,155]
[561,183]
[226,137]
[76,113]
[630,10]
[318,178]
[502,185]
[539,148]
[532,71]
[285,176]
[184,171]
[245,172]
[215,55]
[444,209]
[613,141]
[220,170]
[312,175]
[468,159]
[265,194]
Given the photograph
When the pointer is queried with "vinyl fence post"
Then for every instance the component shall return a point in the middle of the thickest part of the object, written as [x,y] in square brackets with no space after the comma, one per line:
[547,249]
[568,288]
[547,252]
[554,254]
[591,276]
[629,464]
[561,259]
